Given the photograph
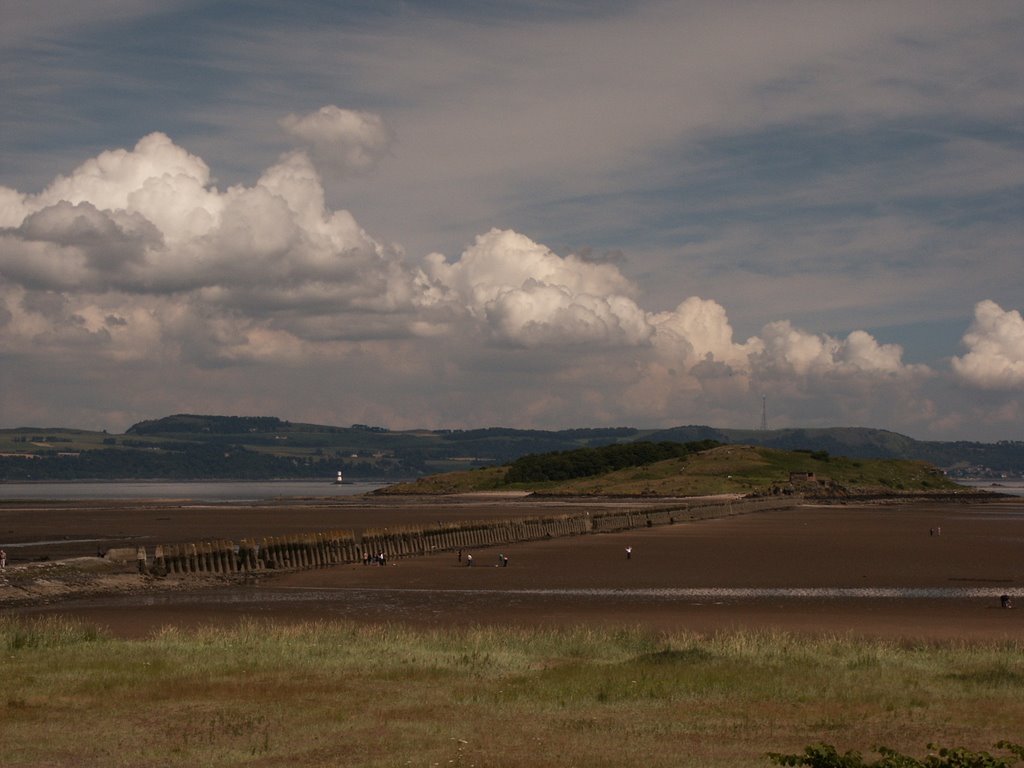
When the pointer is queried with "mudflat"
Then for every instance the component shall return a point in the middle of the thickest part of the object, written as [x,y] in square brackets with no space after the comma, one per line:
[921,571]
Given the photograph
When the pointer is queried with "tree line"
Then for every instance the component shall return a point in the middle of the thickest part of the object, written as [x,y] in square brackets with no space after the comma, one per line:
[560,466]
[196,462]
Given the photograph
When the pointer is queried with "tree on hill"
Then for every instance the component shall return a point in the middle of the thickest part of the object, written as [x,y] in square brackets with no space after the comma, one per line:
[588,462]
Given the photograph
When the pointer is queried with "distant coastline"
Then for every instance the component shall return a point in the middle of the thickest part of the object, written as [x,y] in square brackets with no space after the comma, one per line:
[213,490]
[196,447]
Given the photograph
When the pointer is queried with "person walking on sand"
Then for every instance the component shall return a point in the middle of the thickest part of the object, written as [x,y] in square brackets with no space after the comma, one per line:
[3,560]
[629,553]
[469,560]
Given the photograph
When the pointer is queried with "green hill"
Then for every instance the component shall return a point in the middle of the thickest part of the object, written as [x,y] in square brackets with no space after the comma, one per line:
[724,469]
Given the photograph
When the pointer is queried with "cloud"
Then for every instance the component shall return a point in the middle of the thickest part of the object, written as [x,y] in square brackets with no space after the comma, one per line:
[77,246]
[793,351]
[343,140]
[136,255]
[526,294]
[996,343]
[697,331]
[137,259]
[519,292]
[156,207]
[269,273]
[157,178]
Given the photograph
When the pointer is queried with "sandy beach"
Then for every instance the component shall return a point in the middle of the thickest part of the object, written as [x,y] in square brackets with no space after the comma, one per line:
[909,571]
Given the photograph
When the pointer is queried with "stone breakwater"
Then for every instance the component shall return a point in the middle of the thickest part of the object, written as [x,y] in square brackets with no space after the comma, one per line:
[42,583]
[317,550]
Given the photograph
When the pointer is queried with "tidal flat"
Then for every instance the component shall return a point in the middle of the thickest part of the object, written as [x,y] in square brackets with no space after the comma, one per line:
[716,642]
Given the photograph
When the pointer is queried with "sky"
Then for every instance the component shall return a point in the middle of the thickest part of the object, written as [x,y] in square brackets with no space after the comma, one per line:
[453,214]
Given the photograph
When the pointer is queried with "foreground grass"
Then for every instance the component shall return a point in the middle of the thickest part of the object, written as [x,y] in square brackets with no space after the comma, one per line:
[347,694]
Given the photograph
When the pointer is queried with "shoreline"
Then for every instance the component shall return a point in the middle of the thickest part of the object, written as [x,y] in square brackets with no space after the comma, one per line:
[586,580]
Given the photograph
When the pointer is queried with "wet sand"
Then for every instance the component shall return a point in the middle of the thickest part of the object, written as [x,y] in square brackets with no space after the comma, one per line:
[763,571]
[61,529]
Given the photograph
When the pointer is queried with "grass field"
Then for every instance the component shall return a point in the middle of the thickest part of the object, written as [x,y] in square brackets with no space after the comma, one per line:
[319,694]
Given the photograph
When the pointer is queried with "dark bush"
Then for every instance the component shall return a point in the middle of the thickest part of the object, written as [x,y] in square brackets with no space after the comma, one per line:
[826,756]
[588,462]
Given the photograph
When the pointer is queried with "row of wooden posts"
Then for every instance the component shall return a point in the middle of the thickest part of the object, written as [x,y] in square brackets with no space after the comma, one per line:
[339,547]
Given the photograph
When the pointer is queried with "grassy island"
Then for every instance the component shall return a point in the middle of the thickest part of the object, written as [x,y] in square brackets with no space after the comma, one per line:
[698,470]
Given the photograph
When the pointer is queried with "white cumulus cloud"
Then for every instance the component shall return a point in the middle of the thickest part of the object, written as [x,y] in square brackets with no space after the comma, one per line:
[157,178]
[344,140]
[527,295]
[995,341]
[787,349]
[142,234]
[698,330]
[137,259]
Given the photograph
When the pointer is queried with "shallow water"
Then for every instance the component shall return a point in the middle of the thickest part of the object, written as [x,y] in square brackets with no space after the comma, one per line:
[1009,487]
[222,491]
[45,542]
[331,595]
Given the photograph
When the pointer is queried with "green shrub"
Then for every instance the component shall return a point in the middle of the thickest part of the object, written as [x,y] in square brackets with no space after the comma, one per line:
[826,756]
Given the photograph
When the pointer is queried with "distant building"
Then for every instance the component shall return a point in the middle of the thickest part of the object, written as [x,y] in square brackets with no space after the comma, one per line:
[801,477]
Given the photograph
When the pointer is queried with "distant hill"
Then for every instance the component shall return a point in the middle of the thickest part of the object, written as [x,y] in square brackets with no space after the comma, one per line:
[214,425]
[192,446]
[960,457]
